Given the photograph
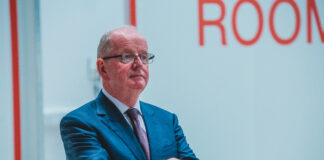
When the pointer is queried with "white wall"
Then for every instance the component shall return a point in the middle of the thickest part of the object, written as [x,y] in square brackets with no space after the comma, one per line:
[31,104]
[70,33]
[6,115]
[263,101]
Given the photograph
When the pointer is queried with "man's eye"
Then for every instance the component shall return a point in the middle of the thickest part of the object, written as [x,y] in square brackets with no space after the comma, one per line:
[127,56]
[143,57]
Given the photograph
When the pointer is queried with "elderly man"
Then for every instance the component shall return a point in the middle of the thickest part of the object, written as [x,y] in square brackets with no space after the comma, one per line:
[116,125]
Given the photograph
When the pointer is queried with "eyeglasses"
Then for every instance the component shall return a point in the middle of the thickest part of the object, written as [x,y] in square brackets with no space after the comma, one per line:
[127,58]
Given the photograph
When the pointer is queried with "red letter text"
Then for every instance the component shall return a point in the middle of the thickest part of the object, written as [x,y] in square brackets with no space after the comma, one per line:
[217,22]
[272,28]
[234,26]
[311,6]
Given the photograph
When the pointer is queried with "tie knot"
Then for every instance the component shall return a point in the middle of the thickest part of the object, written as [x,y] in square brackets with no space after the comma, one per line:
[132,113]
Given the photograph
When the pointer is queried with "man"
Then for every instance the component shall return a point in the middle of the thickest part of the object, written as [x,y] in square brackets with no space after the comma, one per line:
[116,125]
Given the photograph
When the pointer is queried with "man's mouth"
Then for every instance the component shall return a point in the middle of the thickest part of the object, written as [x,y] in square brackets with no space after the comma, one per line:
[136,76]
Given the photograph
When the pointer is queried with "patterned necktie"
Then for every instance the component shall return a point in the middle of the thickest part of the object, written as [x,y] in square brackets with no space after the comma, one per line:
[139,131]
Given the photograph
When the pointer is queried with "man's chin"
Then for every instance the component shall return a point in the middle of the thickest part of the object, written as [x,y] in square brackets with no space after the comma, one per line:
[138,85]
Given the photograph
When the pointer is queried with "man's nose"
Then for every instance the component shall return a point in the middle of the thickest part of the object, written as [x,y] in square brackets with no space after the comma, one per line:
[137,61]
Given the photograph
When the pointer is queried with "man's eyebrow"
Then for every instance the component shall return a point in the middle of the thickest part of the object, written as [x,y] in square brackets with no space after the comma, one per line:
[140,52]
[128,51]
[143,51]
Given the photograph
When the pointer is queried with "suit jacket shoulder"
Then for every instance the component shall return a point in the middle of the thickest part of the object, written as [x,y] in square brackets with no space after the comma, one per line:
[165,135]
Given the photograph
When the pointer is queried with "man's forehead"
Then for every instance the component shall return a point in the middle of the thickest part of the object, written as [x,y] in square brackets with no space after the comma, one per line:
[130,44]
[124,47]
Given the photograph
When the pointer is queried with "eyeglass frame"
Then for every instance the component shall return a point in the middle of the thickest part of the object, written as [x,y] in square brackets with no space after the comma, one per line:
[150,56]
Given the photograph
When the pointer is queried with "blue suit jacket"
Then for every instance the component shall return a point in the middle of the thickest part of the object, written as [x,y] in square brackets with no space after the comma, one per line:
[98,130]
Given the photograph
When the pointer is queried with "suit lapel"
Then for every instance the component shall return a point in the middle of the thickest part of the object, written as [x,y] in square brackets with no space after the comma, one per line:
[153,130]
[112,118]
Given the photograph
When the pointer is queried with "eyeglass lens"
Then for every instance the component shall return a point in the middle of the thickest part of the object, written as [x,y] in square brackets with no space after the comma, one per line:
[129,58]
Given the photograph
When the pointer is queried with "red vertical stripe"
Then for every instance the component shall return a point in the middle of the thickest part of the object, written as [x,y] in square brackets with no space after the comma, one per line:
[132,12]
[15,78]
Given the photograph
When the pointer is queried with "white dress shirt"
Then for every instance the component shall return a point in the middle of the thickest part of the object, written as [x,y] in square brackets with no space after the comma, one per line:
[123,108]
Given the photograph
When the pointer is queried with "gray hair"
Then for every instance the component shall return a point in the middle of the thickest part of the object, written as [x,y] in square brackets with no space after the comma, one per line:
[105,44]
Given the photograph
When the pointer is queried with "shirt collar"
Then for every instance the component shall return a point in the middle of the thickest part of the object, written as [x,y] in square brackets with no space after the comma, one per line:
[121,106]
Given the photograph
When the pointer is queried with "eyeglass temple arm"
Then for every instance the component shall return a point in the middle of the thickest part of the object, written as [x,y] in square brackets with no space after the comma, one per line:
[152,56]
[108,57]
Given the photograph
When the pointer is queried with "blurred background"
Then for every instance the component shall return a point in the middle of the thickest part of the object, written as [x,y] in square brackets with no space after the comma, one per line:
[245,77]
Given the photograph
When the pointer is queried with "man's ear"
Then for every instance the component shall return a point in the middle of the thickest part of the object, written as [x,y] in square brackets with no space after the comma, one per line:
[102,70]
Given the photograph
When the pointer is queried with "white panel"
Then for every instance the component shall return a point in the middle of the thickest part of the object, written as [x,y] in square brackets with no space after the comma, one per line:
[70,33]
[6,115]
[30,80]
[263,101]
